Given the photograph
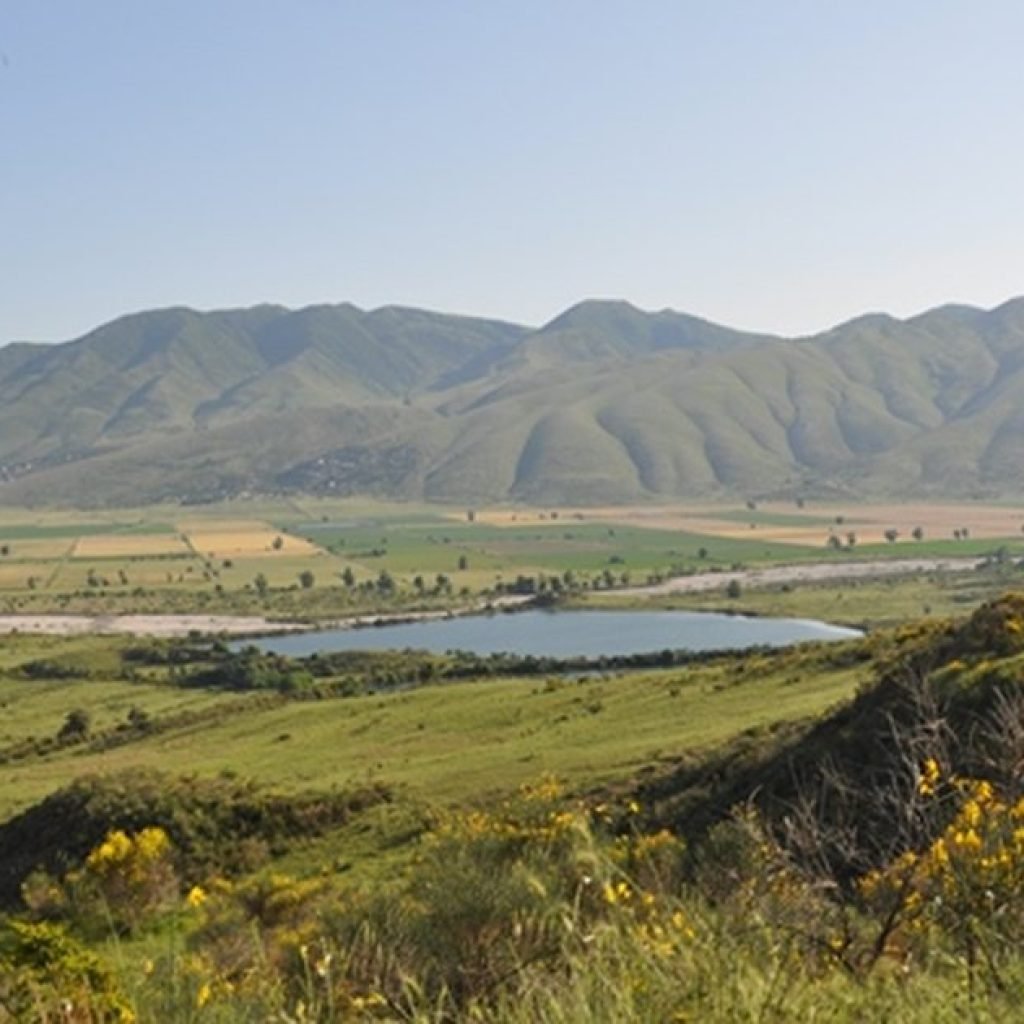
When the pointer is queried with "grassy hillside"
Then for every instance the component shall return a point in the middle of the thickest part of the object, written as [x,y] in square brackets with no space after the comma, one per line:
[443,742]
[819,833]
[604,404]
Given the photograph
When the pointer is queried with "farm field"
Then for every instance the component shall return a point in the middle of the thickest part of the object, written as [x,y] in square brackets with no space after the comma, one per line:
[811,524]
[319,559]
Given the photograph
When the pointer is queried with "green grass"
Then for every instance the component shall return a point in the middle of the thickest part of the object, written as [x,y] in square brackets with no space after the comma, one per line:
[32,710]
[447,742]
[762,518]
[551,547]
[29,531]
[942,548]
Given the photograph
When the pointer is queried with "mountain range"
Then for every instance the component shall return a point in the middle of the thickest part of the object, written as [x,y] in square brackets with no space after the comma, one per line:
[606,403]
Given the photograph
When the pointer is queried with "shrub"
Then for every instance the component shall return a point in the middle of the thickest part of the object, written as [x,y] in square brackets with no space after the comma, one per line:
[47,975]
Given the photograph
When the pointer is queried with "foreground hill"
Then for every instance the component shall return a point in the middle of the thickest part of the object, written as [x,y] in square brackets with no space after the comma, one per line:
[605,403]
[792,862]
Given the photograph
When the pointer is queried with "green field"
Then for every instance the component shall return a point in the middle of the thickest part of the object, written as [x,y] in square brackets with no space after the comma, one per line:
[257,556]
[410,548]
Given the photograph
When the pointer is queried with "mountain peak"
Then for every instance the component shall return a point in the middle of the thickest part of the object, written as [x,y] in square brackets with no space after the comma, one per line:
[591,312]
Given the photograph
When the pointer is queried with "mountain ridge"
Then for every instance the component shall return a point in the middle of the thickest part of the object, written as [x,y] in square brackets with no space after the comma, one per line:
[605,402]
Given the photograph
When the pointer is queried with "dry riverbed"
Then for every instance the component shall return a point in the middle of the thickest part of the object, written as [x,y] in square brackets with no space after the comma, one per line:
[145,625]
[230,625]
[814,572]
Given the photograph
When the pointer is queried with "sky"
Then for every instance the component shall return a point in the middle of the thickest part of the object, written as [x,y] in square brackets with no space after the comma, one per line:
[776,166]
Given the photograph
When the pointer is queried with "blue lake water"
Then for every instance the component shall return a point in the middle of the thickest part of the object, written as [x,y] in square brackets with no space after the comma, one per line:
[564,634]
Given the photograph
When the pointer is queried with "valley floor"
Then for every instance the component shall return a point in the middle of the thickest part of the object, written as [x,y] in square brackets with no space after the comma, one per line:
[175,625]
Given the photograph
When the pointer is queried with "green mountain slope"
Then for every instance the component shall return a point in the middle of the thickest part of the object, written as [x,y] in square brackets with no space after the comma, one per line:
[604,403]
[176,371]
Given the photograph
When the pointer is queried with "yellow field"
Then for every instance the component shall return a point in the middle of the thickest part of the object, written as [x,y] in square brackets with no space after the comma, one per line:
[15,575]
[242,539]
[282,570]
[42,548]
[138,572]
[130,545]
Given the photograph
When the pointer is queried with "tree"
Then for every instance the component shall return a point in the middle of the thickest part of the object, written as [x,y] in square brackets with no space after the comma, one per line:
[463,563]
[348,577]
[834,542]
[891,535]
[734,589]
[5,549]
[470,515]
[261,584]
[278,543]
[77,724]
[851,539]
[917,533]
[138,717]
[307,579]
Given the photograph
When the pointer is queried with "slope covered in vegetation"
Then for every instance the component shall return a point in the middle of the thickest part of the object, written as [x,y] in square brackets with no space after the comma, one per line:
[866,864]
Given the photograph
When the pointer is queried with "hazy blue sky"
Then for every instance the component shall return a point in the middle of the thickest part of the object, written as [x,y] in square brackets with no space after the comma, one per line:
[779,165]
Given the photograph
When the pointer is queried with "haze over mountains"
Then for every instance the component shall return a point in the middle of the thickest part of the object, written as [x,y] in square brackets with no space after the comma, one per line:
[606,403]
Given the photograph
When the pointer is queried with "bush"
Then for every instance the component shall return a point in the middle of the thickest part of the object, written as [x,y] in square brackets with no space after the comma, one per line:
[47,975]
[126,878]
[215,825]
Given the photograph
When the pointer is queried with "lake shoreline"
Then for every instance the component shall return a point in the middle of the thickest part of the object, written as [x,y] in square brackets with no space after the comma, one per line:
[238,626]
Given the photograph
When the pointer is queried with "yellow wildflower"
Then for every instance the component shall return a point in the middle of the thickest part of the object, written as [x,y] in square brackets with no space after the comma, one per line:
[196,897]
[368,1001]
[930,776]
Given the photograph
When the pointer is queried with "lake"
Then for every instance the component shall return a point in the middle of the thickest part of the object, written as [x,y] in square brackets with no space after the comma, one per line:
[564,634]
